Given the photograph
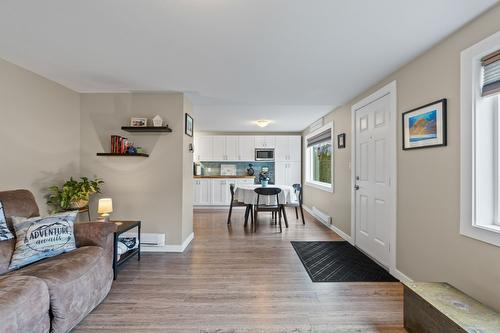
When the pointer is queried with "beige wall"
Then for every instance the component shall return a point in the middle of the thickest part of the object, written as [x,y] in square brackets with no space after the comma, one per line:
[154,190]
[429,246]
[39,132]
[187,175]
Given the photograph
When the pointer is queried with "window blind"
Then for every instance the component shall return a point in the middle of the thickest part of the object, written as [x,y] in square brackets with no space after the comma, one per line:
[319,138]
[491,74]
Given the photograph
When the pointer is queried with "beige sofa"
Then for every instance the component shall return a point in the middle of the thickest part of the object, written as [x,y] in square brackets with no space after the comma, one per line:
[54,294]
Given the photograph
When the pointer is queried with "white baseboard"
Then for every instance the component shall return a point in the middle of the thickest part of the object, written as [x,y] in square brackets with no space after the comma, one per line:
[401,277]
[331,226]
[169,248]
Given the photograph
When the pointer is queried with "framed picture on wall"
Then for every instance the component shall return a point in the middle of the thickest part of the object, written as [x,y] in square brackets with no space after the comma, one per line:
[188,125]
[341,141]
[425,126]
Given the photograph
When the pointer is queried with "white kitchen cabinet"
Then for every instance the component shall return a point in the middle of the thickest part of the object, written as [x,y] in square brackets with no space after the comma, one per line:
[287,173]
[202,192]
[203,147]
[245,181]
[295,145]
[220,192]
[232,148]
[288,148]
[264,141]
[246,148]
[218,148]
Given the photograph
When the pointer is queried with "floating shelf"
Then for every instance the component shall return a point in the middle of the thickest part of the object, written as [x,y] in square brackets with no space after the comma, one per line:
[148,129]
[123,155]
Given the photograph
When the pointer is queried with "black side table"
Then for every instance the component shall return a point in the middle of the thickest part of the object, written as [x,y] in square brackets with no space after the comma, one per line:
[124,226]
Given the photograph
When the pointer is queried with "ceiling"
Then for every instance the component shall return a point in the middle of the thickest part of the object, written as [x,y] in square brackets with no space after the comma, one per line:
[289,61]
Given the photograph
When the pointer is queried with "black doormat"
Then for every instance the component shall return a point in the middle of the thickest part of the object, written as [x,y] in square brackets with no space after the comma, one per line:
[339,261]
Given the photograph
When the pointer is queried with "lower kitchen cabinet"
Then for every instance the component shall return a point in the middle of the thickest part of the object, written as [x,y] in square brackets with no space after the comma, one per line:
[215,192]
[202,192]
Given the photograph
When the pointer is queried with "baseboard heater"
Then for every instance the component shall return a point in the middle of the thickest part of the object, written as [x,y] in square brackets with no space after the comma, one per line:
[321,216]
[149,239]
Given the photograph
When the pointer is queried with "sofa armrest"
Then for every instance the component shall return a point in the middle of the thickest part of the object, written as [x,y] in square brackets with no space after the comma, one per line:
[96,234]
[93,233]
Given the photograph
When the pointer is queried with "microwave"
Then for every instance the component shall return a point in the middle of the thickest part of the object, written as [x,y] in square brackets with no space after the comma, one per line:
[264,154]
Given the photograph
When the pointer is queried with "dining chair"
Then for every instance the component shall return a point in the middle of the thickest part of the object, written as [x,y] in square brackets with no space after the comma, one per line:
[297,188]
[236,203]
[274,208]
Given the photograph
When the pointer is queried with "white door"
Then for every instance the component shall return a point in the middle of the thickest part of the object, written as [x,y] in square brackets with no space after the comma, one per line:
[204,148]
[295,143]
[372,173]
[282,148]
[246,148]
[232,148]
[201,192]
[219,148]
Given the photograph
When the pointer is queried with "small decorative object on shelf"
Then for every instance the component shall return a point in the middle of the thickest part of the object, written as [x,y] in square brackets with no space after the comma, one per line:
[104,208]
[138,122]
[157,121]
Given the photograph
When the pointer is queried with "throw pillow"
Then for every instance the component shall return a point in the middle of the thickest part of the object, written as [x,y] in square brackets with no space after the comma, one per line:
[42,237]
[5,233]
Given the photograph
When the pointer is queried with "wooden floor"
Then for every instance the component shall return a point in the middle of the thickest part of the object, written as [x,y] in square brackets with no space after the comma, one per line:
[234,280]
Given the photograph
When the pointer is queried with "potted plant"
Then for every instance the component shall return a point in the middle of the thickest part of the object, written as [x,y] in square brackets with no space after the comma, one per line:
[73,194]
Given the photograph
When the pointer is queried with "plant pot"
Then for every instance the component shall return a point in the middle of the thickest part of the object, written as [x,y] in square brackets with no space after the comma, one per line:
[79,204]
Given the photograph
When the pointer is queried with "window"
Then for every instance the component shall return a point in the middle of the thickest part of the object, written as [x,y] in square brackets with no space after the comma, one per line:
[480,141]
[319,158]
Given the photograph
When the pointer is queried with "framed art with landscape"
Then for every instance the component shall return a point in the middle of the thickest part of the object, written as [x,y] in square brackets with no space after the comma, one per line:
[425,126]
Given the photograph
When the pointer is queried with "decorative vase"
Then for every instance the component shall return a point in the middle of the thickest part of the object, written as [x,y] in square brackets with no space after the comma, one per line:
[264,183]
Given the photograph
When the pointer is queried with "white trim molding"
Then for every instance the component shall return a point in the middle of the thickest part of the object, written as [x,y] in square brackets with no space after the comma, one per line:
[477,214]
[330,226]
[169,248]
[391,90]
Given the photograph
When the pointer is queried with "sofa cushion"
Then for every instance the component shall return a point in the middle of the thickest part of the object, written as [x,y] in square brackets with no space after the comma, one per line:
[42,237]
[25,305]
[5,233]
[78,281]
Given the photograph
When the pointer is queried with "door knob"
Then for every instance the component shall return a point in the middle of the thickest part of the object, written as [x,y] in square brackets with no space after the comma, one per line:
[356,187]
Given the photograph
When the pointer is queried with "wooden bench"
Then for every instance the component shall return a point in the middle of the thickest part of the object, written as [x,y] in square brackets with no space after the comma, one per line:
[439,307]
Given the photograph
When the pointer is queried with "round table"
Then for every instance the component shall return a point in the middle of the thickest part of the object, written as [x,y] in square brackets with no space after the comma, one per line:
[247,195]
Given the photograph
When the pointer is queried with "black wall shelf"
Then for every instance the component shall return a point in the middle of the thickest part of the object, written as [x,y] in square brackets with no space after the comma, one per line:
[123,155]
[148,129]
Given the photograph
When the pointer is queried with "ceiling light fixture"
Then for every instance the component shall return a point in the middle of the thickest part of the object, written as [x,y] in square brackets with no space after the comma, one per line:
[262,122]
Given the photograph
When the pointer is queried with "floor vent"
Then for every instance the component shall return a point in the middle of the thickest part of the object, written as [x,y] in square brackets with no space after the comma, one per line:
[325,218]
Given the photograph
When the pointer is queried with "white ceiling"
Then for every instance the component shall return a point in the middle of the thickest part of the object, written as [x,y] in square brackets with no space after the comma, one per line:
[290,61]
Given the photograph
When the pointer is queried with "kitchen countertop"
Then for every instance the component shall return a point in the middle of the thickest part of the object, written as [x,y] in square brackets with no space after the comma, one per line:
[231,177]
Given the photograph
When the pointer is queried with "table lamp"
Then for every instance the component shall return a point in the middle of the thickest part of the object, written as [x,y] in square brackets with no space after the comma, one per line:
[104,207]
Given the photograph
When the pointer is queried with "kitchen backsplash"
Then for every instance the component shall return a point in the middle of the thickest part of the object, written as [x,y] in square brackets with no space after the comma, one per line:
[213,168]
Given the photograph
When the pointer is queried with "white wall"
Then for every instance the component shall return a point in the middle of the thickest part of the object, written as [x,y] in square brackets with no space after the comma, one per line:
[156,190]
[39,132]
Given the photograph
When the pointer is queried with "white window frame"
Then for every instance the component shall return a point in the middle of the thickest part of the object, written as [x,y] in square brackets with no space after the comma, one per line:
[309,181]
[470,81]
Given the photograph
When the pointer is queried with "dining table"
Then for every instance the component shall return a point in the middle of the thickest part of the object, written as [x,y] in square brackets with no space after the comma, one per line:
[247,195]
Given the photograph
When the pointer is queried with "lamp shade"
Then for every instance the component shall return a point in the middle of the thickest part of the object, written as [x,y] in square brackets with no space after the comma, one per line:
[105,206]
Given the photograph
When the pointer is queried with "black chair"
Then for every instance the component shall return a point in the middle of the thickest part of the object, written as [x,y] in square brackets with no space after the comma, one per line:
[236,203]
[274,208]
[298,204]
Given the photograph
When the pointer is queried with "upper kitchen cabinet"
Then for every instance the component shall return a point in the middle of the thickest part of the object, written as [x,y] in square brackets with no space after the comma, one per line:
[288,148]
[265,141]
[203,146]
[246,148]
